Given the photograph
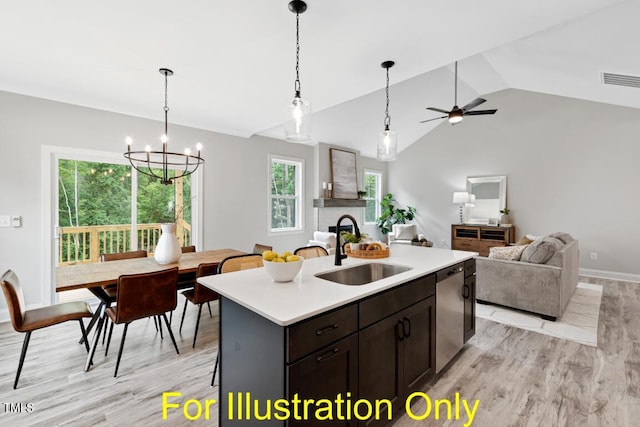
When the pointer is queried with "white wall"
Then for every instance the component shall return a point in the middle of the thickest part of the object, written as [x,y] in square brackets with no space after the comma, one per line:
[571,165]
[235,177]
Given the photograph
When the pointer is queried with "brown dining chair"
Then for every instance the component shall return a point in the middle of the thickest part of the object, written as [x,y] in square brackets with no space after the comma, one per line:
[231,264]
[29,320]
[258,248]
[107,294]
[199,295]
[314,251]
[139,296]
[187,249]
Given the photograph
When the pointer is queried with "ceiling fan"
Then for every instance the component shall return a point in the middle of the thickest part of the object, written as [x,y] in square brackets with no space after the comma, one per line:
[456,114]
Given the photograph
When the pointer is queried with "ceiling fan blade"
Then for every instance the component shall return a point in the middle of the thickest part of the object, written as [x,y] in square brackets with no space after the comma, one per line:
[437,118]
[480,112]
[473,104]
[439,110]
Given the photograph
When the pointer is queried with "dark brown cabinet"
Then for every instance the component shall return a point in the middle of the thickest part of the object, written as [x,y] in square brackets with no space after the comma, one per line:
[397,352]
[469,295]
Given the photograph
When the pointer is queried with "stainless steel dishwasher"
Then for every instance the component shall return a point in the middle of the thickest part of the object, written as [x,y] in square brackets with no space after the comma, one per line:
[449,314]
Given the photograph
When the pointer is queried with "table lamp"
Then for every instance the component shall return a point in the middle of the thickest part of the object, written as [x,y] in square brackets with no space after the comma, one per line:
[461,197]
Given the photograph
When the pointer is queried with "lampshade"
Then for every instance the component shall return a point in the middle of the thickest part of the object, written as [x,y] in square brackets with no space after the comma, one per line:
[460,197]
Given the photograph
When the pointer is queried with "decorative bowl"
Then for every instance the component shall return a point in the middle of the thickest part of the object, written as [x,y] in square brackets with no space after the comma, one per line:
[283,271]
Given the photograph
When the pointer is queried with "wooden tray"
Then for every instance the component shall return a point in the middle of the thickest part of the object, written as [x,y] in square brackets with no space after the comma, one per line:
[384,253]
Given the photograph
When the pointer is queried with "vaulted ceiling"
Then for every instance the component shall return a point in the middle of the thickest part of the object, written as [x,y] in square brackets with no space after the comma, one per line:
[234,60]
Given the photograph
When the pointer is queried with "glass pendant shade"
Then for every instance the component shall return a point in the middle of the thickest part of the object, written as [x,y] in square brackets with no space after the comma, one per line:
[297,122]
[387,145]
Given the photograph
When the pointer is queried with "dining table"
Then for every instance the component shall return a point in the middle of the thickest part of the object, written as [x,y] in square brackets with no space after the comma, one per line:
[97,275]
[78,276]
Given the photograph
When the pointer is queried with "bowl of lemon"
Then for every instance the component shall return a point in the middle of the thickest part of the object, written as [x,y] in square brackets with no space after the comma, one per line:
[281,267]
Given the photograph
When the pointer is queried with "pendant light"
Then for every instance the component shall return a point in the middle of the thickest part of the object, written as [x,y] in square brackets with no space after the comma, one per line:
[157,164]
[387,139]
[297,123]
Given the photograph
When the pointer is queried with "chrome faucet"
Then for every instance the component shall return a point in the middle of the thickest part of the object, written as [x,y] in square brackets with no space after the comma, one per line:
[339,256]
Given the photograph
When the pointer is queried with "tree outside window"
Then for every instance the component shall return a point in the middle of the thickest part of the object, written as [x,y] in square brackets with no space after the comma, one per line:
[373,194]
[285,198]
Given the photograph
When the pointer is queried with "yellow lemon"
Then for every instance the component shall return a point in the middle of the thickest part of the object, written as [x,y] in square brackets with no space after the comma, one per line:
[285,254]
[277,259]
[293,258]
[269,255]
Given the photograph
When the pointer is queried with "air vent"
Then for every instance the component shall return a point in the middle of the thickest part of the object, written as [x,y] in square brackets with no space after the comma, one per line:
[620,80]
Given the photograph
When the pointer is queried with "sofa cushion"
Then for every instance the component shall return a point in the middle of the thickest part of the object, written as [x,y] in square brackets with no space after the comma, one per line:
[524,240]
[541,250]
[404,231]
[510,253]
[563,237]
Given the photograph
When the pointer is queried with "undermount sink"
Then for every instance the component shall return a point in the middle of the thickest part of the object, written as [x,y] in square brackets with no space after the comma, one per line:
[363,274]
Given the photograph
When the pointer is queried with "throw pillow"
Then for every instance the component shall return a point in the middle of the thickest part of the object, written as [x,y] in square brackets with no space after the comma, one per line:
[510,253]
[524,241]
[541,250]
[405,231]
[563,237]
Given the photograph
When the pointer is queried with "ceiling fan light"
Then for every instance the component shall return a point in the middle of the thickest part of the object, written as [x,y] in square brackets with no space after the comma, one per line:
[297,124]
[387,145]
[455,117]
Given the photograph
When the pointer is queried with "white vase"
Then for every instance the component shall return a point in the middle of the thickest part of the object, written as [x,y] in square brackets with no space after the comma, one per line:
[168,250]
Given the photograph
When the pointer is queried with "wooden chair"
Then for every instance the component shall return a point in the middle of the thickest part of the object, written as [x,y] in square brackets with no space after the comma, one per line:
[258,248]
[311,252]
[199,295]
[139,296]
[228,265]
[107,294]
[29,320]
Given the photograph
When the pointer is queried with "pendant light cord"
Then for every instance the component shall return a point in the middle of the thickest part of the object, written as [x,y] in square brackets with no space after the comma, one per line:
[387,118]
[297,83]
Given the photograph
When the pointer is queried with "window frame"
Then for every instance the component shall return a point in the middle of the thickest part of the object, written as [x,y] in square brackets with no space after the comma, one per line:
[298,197]
[378,198]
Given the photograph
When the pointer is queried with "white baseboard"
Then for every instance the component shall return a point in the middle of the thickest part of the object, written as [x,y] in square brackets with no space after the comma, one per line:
[613,275]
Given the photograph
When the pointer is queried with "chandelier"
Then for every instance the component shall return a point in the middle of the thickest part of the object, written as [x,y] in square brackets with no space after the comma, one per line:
[158,164]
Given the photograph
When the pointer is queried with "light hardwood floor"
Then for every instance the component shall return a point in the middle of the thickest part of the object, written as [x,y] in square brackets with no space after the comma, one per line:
[520,377]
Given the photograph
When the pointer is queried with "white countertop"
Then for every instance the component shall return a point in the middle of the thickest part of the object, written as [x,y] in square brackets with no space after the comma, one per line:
[307,295]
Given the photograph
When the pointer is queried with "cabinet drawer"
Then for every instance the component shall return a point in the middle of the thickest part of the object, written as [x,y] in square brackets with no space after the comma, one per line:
[469,267]
[315,333]
[394,300]
[464,245]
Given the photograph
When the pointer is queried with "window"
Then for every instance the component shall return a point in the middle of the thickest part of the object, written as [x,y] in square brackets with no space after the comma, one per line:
[285,198]
[373,196]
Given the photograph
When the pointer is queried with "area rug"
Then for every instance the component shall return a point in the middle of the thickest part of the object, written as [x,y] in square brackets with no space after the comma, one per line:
[579,322]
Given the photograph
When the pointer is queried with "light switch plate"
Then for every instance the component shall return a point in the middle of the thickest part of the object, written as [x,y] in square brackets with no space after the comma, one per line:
[5,221]
[16,221]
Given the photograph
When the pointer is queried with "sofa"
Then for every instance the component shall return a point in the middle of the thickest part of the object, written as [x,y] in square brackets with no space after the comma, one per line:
[541,280]
[403,234]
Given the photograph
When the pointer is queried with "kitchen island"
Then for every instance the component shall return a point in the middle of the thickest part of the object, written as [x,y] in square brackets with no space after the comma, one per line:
[316,339]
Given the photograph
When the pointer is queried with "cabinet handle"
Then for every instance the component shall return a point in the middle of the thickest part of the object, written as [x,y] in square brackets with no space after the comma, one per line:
[328,355]
[327,330]
[401,333]
[466,291]
[406,321]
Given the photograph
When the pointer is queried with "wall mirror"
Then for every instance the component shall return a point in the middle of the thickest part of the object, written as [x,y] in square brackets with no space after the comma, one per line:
[490,197]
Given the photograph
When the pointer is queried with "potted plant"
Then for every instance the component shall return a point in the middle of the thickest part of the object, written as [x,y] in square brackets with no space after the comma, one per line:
[393,215]
[352,239]
[504,219]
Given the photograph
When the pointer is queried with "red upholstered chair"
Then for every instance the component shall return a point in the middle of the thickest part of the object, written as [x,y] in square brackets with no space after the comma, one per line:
[29,320]
[140,296]
[199,295]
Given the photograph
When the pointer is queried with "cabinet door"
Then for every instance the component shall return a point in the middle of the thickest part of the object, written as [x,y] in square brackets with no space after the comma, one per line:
[418,345]
[324,374]
[469,295]
[380,369]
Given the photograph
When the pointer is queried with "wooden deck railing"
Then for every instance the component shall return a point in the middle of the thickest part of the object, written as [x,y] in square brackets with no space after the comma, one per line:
[77,245]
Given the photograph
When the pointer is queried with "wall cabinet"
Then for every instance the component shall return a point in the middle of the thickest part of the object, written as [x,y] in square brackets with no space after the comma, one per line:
[480,238]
